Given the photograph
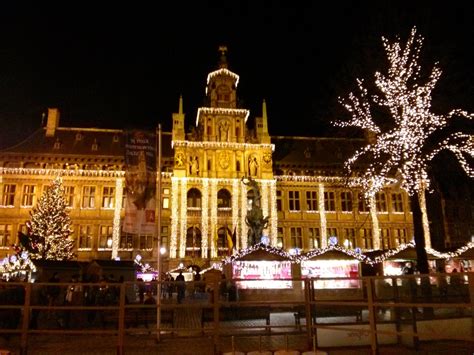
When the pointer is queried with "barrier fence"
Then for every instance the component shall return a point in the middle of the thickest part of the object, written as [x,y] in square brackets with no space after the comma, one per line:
[370,311]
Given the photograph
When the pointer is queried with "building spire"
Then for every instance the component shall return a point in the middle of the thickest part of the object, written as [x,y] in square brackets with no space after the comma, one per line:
[223,58]
[180,109]
[264,110]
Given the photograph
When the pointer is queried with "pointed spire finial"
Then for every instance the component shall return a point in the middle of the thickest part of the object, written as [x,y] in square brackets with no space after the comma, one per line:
[223,59]
[180,109]
[264,110]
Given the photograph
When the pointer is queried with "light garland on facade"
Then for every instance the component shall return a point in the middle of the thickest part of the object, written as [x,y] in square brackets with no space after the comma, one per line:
[243,214]
[116,221]
[205,219]
[183,222]
[273,213]
[264,201]
[221,145]
[223,72]
[62,172]
[375,223]
[235,211]
[239,112]
[350,252]
[322,216]
[214,226]
[174,217]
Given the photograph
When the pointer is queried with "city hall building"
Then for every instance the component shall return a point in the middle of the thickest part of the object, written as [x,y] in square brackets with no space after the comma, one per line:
[304,190]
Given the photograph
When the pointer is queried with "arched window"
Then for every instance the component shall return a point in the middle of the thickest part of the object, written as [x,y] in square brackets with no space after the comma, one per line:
[194,198]
[222,242]
[224,199]
[193,242]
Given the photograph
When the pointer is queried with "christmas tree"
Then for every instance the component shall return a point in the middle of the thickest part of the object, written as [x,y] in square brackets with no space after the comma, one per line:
[49,229]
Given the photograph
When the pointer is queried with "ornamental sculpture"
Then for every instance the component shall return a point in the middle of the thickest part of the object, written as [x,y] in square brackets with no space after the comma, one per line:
[254,219]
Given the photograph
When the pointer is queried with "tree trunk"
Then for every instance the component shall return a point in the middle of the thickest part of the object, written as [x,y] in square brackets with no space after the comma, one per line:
[422,258]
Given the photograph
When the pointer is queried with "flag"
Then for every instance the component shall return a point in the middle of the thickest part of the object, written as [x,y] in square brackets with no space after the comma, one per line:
[216,237]
[234,238]
[230,243]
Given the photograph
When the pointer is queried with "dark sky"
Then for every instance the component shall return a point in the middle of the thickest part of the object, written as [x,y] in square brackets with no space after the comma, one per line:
[122,66]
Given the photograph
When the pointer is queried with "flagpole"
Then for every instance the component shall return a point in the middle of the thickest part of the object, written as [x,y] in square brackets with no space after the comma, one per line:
[158,239]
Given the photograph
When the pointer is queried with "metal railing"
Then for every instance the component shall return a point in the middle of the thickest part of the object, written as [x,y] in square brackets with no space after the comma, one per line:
[397,309]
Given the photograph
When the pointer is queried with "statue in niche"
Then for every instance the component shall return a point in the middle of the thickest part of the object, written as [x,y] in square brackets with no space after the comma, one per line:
[194,166]
[224,131]
[253,166]
[254,219]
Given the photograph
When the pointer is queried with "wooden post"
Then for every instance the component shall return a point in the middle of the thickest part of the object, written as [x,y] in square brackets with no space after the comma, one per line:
[308,307]
[121,319]
[373,325]
[215,304]
[26,317]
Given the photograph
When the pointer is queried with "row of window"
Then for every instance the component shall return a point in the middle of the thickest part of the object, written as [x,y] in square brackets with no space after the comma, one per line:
[349,237]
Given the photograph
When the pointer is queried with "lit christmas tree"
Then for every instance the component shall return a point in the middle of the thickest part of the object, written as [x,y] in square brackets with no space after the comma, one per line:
[49,229]
[405,149]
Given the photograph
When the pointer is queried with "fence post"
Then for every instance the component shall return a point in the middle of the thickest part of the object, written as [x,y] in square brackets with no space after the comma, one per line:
[26,317]
[215,299]
[121,319]
[309,319]
[371,308]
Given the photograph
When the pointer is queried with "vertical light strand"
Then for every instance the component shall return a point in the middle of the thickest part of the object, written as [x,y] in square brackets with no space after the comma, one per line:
[116,222]
[322,217]
[375,223]
[213,204]
[235,210]
[205,218]
[273,214]
[243,214]
[424,215]
[264,201]
[184,214]
[174,217]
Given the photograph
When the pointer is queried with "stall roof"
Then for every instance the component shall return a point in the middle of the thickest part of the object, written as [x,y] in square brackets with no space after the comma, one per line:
[260,252]
[467,254]
[333,252]
[409,253]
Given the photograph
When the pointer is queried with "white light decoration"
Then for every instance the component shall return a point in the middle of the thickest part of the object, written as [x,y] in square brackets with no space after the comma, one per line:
[322,216]
[222,145]
[264,201]
[213,188]
[424,215]
[116,221]
[222,72]
[174,217]
[183,220]
[239,112]
[243,214]
[273,214]
[235,210]
[205,219]
[259,246]
[62,172]
[375,223]
[352,253]
[410,142]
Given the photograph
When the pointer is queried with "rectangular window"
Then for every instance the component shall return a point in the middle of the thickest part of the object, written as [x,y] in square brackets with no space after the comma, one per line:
[126,241]
[278,200]
[164,243]
[280,239]
[105,237]
[366,238]
[381,202]
[69,195]
[294,200]
[88,197]
[346,201]
[8,195]
[166,198]
[397,202]
[399,236]
[6,235]
[313,238]
[348,238]
[329,201]
[108,197]
[146,242]
[296,237]
[85,237]
[331,232]
[363,205]
[28,198]
[311,200]
[385,235]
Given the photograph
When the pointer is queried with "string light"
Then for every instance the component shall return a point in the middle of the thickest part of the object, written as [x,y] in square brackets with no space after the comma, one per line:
[375,223]
[205,218]
[235,210]
[273,213]
[222,145]
[116,221]
[243,214]
[174,217]
[239,112]
[322,216]
[62,172]
[350,252]
[264,247]
[223,72]
[213,183]
[184,213]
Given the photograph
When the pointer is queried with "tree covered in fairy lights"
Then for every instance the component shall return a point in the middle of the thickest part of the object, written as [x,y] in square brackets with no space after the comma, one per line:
[416,134]
[49,228]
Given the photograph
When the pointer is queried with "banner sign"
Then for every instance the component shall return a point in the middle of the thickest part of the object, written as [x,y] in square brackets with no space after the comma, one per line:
[140,182]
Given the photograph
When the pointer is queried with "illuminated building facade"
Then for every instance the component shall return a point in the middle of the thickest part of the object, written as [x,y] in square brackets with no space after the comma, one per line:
[301,180]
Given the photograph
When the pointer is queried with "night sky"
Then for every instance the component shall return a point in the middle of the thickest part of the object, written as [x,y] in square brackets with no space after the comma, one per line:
[124,66]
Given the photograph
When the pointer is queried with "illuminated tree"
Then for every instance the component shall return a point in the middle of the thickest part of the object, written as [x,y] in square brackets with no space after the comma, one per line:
[49,228]
[406,146]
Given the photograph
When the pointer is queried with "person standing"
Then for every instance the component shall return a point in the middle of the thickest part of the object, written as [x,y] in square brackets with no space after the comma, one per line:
[181,285]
